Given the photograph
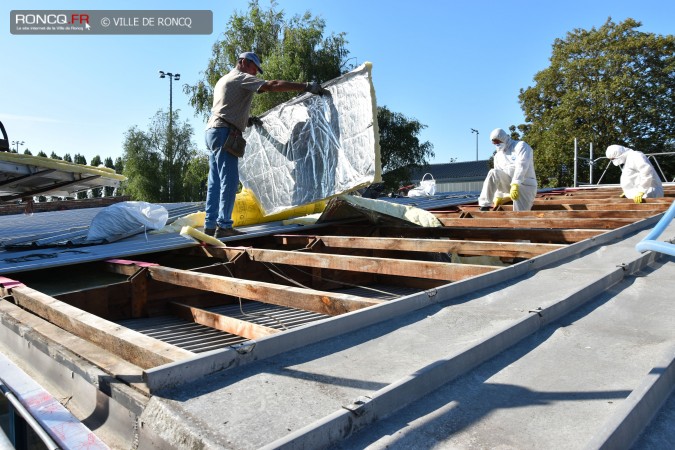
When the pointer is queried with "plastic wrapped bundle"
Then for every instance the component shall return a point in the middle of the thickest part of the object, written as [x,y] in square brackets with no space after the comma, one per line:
[315,147]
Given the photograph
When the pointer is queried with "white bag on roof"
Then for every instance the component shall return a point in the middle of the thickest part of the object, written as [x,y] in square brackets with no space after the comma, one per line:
[426,187]
[126,219]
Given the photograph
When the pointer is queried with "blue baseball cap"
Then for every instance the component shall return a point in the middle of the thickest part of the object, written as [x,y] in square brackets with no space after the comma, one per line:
[252,57]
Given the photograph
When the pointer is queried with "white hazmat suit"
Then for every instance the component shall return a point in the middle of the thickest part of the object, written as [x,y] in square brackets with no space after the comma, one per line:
[638,178]
[513,164]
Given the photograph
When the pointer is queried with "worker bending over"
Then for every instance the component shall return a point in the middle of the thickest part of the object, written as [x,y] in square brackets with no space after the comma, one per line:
[513,174]
[639,180]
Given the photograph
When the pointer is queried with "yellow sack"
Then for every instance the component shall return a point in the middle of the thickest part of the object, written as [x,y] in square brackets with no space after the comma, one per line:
[247,210]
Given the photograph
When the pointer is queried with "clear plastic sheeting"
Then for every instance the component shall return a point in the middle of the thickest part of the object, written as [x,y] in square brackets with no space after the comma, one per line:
[315,147]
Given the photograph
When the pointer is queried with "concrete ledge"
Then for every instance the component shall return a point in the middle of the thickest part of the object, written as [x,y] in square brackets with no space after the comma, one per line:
[104,404]
[341,424]
[641,406]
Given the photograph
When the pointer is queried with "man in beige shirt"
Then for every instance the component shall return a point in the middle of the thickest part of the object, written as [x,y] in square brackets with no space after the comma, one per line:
[232,97]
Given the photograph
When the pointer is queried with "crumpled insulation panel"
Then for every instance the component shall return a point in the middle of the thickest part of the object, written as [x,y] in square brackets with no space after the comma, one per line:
[315,147]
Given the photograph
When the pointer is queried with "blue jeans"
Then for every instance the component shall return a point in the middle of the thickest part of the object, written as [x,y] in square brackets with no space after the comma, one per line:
[223,180]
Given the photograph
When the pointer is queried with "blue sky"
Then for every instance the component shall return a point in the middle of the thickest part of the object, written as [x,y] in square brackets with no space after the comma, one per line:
[451,65]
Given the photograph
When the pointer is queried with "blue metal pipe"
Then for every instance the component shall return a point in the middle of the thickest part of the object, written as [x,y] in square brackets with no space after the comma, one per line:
[650,241]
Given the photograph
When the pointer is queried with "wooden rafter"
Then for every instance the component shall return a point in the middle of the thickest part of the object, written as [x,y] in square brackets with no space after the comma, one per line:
[606,206]
[560,199]
[307,299]
[221,322]
[532,222]
[110,363]
[561,214]
[491,248]
[379,266]
[134,347]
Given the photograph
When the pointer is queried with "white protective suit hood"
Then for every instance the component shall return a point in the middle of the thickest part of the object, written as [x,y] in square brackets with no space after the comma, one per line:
[617,154]
[501,135]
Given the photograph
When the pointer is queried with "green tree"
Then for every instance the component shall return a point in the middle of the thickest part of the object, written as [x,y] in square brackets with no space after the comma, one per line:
[108,190]
[196,175]
[41,198]
[611,85]
[67,158]
[96,192]
[400,147]
[298,50]
[292,50]
[119,168]
[155,161]
[55,156]
[80,159]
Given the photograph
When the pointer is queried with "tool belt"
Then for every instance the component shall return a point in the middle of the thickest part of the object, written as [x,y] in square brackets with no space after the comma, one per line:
[235,143]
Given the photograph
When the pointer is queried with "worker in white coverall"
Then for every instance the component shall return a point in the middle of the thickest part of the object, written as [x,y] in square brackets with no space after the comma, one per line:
[513,174]
[639,180]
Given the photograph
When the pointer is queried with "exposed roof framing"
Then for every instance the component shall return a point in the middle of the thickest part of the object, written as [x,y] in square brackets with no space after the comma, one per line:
[333,278]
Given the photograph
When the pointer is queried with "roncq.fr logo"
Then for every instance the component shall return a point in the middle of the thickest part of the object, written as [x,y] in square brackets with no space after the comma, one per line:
[51,19]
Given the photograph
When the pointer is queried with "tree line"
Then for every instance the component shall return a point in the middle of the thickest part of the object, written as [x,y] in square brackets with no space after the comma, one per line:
[610,85]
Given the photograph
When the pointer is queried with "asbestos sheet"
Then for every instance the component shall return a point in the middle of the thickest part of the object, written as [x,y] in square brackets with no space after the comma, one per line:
[315,147]
[26,175]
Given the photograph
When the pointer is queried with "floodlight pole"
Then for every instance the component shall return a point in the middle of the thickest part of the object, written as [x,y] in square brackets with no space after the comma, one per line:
[473,130]
[172,77]
[170,133]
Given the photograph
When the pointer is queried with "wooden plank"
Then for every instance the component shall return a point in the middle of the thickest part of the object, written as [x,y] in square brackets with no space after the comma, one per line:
[578,214]
[100,357]
[139,293]
[220,322]
[606,206]
[610,206]
[529,223]
[379,266]
[558,236]
[135,347]
[492,248]
[307,299]
[561,199]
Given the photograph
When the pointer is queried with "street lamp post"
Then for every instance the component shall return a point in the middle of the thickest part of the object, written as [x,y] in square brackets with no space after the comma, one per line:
[17,143]
[473,130]
[169,144]
[172,77]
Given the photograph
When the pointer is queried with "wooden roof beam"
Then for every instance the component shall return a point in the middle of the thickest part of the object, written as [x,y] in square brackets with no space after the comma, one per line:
[308,299]
[561,199]
[378,266]
[220,322]
[605,206]
[531,222]
[134,347]
[491,248]
[564,214]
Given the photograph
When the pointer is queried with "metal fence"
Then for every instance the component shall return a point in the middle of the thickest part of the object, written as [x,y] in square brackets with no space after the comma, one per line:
[653,157]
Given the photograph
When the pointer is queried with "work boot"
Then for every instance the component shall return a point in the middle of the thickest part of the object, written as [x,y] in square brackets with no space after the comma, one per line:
[226,232]
[484,208]
[209,231]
